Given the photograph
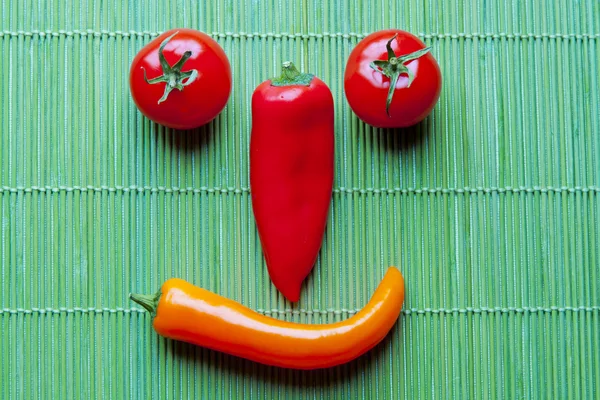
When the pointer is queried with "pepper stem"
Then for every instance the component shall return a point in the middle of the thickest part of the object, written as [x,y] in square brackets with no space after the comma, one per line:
[148,301]
[394,66]
[291,76]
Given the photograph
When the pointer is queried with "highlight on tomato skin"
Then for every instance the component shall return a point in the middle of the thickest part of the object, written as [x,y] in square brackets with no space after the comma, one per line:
[392,80]
[181,79]
[194,315]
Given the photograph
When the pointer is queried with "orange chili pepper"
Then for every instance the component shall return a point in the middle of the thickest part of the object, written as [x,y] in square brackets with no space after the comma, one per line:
[191,314]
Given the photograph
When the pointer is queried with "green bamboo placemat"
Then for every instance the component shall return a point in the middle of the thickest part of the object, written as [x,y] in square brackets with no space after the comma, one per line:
[490,207]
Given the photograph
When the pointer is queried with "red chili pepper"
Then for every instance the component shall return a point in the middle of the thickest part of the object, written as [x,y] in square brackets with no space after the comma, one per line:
[291,173]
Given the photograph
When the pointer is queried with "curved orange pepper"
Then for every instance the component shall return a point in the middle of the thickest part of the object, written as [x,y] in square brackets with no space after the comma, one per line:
[194,315]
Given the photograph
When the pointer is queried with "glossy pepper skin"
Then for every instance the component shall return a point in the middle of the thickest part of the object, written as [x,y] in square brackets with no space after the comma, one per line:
[191,314]
[291,173]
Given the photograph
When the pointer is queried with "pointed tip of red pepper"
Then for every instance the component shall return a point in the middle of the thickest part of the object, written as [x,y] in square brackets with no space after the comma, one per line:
[291,293]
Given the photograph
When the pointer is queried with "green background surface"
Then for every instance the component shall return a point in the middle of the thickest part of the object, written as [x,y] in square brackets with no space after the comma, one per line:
[490,207]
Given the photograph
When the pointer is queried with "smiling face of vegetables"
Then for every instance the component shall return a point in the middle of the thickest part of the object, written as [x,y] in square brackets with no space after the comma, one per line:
[392,80]
[181,79]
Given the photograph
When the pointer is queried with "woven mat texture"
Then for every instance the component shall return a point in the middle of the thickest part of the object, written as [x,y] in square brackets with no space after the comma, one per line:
[490,207]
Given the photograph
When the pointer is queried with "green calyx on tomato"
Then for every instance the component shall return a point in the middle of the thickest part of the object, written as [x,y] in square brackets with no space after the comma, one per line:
[291,76]
[172,76]
[394,66]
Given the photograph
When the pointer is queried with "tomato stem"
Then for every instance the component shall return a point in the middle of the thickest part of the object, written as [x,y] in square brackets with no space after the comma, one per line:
[148,301]
[291,76]
[394,66]
[172,76]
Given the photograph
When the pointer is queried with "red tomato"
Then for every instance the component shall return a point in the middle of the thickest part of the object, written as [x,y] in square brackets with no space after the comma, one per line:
[392,80]
[181,79]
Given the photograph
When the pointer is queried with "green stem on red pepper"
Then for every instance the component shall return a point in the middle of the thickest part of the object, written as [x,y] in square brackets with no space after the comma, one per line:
[291,76]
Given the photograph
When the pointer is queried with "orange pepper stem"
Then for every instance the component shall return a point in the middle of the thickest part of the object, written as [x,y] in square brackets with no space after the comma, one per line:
[148,301]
